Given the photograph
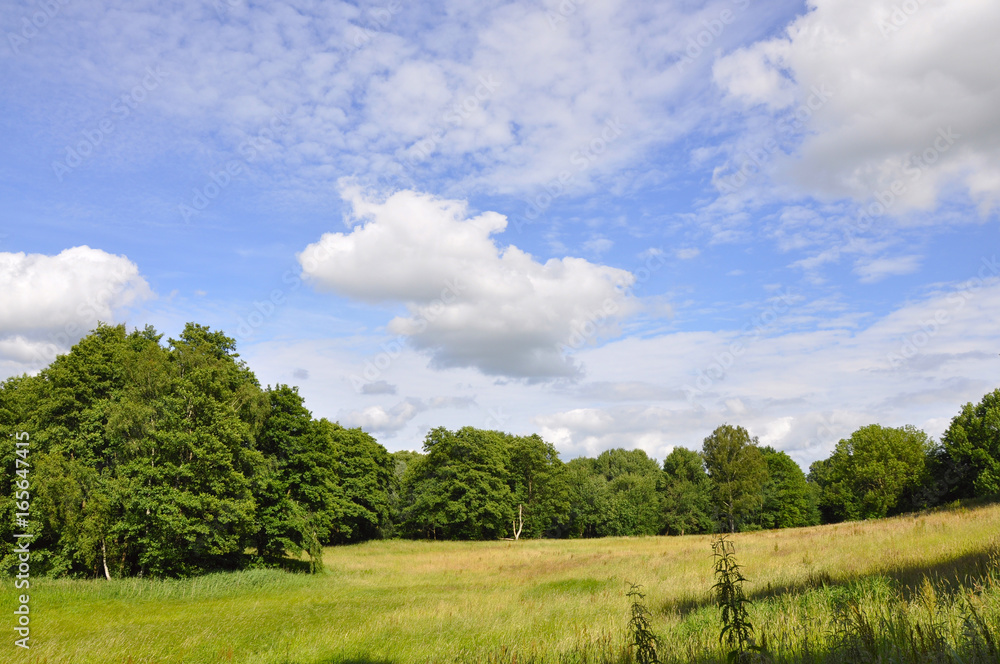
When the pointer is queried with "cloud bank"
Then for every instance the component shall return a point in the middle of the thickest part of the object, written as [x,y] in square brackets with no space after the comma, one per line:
[50,302]
[470,302]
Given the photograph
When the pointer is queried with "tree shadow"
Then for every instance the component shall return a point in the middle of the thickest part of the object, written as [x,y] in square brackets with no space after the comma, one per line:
[292,565]
[949,576]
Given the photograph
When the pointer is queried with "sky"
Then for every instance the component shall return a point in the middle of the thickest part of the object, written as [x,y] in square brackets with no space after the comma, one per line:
[611,223]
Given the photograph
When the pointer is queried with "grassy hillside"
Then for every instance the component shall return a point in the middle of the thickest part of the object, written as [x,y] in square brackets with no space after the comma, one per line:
[402,601]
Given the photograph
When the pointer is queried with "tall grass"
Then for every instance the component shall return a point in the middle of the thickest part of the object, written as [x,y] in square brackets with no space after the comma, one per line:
[907,589]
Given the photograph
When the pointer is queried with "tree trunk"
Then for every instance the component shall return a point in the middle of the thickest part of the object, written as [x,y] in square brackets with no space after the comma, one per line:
[517,530]
[104,560]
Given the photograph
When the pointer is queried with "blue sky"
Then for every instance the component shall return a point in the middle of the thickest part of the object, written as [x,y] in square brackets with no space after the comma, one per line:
[616,224]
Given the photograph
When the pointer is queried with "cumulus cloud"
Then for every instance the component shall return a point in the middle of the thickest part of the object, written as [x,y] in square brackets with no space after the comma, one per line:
[470,302]
[877,269]
[50,302]
[388,421]
[590,431]
[898,99]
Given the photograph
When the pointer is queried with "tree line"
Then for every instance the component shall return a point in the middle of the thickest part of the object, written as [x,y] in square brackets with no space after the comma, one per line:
[170,459]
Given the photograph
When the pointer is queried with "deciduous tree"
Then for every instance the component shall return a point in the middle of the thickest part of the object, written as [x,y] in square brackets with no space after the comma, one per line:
[738,472]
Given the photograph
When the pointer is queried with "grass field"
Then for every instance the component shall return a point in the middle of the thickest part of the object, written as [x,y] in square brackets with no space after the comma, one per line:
[927,583]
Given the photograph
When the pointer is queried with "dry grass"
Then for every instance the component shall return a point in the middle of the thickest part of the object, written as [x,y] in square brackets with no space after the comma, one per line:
[402,601]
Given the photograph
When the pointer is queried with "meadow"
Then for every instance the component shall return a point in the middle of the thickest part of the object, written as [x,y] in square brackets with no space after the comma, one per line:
[913,588]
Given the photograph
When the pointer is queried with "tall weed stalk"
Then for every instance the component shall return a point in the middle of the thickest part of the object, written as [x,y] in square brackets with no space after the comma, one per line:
[737,631]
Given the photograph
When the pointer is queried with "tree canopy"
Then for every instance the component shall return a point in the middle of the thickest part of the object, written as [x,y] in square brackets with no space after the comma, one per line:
[876,472]
[738,472]
[970,459]
[687,493]
[170,460]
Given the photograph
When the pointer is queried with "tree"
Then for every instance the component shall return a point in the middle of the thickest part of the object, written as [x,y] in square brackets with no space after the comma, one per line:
[365,473]
[738,472]
[460,489]
[876,472]
[537,481]
[299,502]
[686,490]
[590,499]
[182,437]
[970,464]
[789,501]
[616,494]
[171,461]
[398,500]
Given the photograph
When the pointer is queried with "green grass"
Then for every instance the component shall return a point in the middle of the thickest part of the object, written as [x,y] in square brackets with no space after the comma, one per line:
[858,588]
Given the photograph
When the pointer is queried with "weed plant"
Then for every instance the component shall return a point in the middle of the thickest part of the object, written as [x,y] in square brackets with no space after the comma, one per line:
[737,630]
[642,640]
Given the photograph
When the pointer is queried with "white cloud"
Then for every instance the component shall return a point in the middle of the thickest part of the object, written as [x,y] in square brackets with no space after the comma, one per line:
[471,303]
[388,422]
[50,302]
[877,269]
[391,94]
[754,75]
[798,387]
[598,245]
[906,104]
[799,391]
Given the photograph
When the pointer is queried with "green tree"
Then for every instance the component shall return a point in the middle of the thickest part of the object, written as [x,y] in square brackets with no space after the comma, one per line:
[299,502]
[876,472]
[687,493]
[460,489]
[538,483]
[616,494]
[171,461]
[142,454]
[738,472]
[69,409]
[970,463]
[590,499]
[182,436]
[789,501]
[399,501]
[365,474]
